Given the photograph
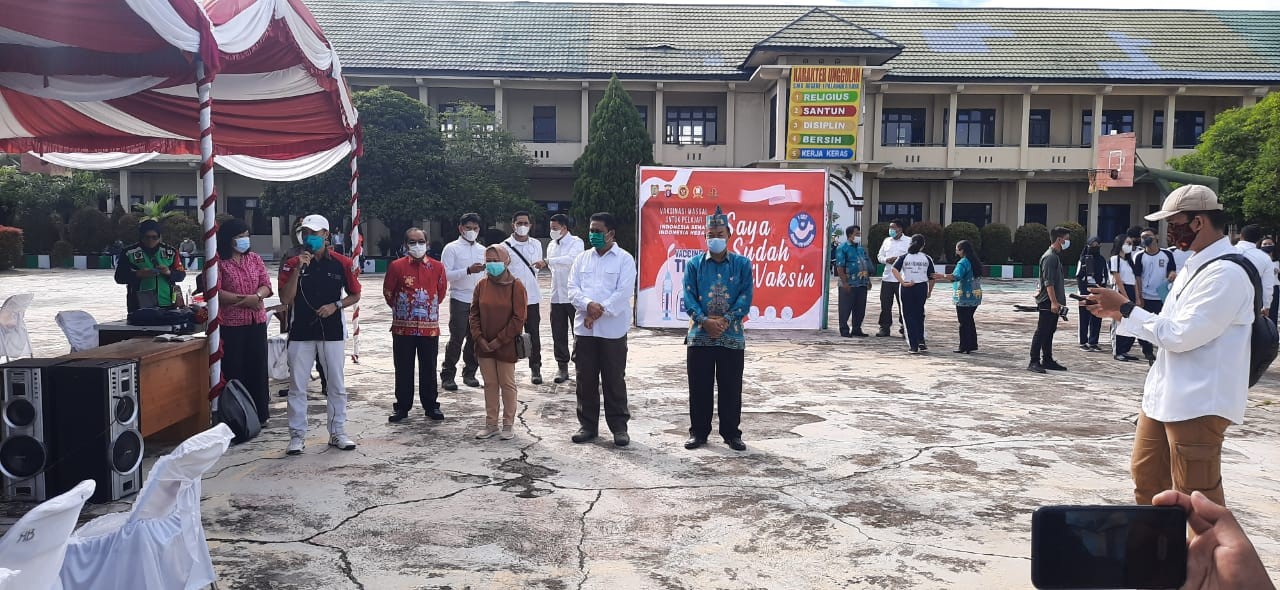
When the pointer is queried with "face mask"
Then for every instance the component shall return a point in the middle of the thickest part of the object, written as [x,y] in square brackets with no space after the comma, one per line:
[857,240]
[1147,242]
[1127,249]
[1181,232]
[470,235]
[418,250]
[556,234]
[893,233]
[1268,249]
[242,245]
[314,243]
[717,245]
[522,230]
[495,269]
[597,239]
[1066,244]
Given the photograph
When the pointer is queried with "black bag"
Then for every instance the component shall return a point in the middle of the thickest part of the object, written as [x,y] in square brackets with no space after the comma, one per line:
[236,410]
[153,316]
[1264,341]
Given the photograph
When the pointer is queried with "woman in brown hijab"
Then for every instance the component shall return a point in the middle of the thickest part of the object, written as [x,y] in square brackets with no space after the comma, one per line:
[498,313]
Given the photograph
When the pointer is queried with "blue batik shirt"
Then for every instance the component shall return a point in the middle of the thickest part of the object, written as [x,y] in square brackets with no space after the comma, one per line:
[967,287]
[717,289]
[855,261]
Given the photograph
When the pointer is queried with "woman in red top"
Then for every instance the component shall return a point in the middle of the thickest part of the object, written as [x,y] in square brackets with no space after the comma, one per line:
[244,285]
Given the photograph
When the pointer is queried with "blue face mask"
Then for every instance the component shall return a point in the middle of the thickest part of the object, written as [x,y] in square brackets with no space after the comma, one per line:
[495,269]
[717,245]
[242,245]
[313,243]
[893,233]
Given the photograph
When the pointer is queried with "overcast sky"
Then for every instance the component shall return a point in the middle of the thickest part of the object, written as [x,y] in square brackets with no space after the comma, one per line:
[1166,4]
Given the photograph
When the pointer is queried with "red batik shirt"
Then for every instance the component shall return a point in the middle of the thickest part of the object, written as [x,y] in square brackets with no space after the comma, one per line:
[414,289]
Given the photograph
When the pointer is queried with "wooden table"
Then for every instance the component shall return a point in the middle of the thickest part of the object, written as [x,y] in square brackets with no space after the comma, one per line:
[120,330]
[173,384]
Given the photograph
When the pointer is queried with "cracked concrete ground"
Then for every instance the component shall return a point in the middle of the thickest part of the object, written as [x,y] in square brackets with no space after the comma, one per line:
[866,468]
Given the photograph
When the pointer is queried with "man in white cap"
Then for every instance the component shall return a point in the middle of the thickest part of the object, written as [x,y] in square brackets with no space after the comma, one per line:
[1199,382]
[313,284]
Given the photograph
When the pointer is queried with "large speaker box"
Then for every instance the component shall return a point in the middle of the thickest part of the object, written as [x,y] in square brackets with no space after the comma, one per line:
[26,443]
[96,405]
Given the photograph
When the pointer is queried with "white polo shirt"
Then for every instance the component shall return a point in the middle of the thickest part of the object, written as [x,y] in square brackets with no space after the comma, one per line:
[892,248]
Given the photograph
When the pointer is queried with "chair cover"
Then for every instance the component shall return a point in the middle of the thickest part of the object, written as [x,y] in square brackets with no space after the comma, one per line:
[160,544]
[79,329]
[278,357]
[33,549]
[14,341]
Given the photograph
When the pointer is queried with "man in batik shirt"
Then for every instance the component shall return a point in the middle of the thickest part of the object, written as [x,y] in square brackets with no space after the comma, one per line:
[414,286]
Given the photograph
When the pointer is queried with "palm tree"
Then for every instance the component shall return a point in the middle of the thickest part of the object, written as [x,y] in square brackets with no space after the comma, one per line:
[157,209]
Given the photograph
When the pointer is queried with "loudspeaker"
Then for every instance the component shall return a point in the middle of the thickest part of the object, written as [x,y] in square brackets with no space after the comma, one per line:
[26,445]
[96,405]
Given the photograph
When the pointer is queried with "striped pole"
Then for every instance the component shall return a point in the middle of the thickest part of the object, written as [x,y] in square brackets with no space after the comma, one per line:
[204,81]
[357,249]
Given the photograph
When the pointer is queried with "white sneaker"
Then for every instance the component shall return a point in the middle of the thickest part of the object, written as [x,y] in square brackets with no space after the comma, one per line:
[508,433]
[342,441]
[488,432]
[296,444]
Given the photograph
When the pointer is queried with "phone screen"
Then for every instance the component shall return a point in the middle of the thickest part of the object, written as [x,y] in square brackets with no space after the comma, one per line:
[1108,547]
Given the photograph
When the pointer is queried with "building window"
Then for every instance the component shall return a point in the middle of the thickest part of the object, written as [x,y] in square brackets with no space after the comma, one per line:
[1038,127]
[903,127]
[976,127]
[1188,126]
[544,124]
[1157,129]
[449,121]
[773,127]
[643,109]
[1036,213]
[691,125]
[978,214]
[1117,121]
[909,213]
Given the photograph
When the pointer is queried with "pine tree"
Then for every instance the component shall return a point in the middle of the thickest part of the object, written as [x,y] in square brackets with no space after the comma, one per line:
[606,171]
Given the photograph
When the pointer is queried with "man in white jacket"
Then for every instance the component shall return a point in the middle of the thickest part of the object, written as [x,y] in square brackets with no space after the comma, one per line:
[891,249]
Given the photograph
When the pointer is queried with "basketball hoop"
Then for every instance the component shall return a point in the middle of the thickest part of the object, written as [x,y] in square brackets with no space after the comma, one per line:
[1100,178]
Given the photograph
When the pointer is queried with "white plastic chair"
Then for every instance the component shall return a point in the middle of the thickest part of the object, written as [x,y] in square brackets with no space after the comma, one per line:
[79,328]
[14,341]
[33,549]
[160,544]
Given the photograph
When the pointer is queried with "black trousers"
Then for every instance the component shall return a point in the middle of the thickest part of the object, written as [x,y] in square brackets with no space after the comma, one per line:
[602,365]
[1153,306]
[888,292]
[561,330]
[912,306]
[1275,303]
[1090,326]
[244,358]
[459,342]
[709,367]
[1125,343]
[1042,342]
[968,328]
[404,351]
[531,323]
[853,302]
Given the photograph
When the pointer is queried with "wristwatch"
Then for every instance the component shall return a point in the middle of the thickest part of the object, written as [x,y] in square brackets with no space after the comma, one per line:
[338,304]
[1126,309]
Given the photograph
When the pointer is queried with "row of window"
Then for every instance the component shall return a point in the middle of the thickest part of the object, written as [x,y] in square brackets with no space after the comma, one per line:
[686,125]
[977,127]
[1112,219]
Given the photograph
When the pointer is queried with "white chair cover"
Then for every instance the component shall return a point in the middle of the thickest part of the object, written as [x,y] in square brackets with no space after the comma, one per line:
[33,549]
[160,544]
[278,357]
[14,341]
[79,329]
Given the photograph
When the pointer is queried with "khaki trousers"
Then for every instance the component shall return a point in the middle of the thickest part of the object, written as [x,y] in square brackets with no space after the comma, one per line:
[498,376]
[1184,456]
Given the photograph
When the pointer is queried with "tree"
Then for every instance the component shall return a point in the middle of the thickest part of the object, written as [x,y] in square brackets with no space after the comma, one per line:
[25,194]
[488,167]
[1242,149]
[606,171]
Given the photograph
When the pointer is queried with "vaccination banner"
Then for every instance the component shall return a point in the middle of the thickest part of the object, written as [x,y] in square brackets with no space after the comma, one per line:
[777,218]
[822,123]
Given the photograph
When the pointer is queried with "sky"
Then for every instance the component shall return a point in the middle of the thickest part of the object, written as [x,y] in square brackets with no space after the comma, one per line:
[1125,4]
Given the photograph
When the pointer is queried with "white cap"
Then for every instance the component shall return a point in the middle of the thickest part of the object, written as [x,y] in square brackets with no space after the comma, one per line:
[1187,198]
[315,223]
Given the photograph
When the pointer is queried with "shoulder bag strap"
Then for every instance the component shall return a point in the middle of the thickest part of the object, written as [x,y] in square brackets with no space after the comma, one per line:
[1248,270]
[513,248]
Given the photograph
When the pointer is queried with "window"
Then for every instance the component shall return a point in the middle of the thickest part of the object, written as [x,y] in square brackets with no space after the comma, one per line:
[1188,126]
[1038,127]
[1036,213]
[1082,214]
[691,125]
[909,213]
[1117,121]
[544,124]
[247,209]
[1157,129]
[903,127]
[773,127]
[643,109]
[978,214]
[449,121]
[1113,220]
[1086,127]
[976,127]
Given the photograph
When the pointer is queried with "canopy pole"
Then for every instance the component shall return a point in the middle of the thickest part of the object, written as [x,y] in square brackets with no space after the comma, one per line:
[204,82]
[357,249]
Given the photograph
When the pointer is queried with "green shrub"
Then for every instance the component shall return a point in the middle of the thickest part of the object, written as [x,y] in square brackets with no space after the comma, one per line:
[63,254]
[39,231]
[179,227]
[1029,243]
[127,228]
[90,231]
[960,230]
[997,243]
[873,237]
[933,237]
[10,247]
[1071,255]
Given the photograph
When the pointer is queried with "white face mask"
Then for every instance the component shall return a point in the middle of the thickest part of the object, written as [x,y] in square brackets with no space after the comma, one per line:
[418,250]
[470,235]
[1066,244]
[555,234]
[522,230]
[857,239]
[1126,249]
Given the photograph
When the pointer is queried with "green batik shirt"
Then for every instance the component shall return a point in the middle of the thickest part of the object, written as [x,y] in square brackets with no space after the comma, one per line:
[717,289]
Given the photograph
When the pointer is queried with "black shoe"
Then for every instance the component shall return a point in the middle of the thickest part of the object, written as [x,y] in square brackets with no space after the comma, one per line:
[582,436]
[435,414]
[736,443]
[1035,367]
[1151,358]
[1085,347]
[845,335]
[1095,348]
[562,375]
[470,381]
[861,335]
[398,416]
[1053,366]
[882,333]
[621,439]
[960,351]
[913,350]
[923,347]
[537,377]
[695,442]
[282,393]
[448,384]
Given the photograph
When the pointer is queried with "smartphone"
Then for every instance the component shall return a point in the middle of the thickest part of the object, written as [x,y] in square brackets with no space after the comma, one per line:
[1079,297]
[1109,547]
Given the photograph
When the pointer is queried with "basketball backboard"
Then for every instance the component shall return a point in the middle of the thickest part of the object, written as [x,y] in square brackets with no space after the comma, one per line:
[1116,152]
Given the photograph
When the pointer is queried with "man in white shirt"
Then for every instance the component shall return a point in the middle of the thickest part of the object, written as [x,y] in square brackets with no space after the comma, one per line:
[1153,269]
[526,261]
[463,261]
[1200,381]
[601,284]
[1250,237]
[563,249]
[891,249]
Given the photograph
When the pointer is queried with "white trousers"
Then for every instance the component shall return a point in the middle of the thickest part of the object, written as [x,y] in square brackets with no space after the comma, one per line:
[302,356]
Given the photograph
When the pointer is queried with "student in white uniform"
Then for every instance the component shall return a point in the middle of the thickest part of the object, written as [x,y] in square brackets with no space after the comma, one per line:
[1122,276]
[1269,247]
[1250,237]
[1154,269]
[914,273]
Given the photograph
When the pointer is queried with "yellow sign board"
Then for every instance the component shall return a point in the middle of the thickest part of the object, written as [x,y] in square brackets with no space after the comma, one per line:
[822,121]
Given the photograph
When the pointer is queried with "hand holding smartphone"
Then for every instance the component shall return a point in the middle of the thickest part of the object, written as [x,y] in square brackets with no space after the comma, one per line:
[1084,301]
[1109,547]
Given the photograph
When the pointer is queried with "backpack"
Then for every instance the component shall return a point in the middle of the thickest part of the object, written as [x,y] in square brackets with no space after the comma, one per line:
[236,410]
[1264,340]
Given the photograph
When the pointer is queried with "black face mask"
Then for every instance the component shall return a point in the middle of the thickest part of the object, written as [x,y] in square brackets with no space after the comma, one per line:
[1268,249]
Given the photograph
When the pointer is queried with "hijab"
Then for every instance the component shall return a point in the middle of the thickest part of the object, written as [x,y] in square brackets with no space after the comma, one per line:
[504,256]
